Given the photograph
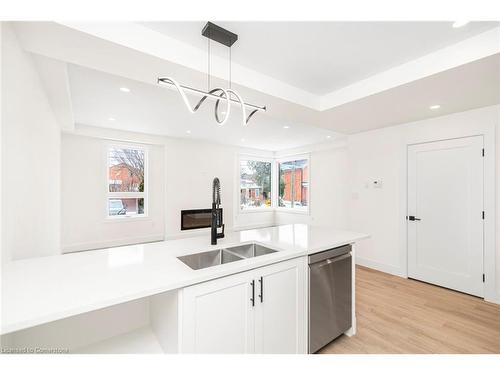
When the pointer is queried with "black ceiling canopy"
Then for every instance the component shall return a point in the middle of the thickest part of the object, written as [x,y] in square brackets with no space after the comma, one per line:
[219,34]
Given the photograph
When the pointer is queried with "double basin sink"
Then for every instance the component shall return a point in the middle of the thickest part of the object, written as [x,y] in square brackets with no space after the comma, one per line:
[222,256]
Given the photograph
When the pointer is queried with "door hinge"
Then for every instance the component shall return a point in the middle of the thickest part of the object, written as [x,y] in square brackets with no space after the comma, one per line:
[483,152]
[483,278]
[483,215]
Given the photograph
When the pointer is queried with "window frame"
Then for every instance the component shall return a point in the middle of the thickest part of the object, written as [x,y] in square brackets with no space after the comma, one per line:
[242,157]
[289,158]
[124,195]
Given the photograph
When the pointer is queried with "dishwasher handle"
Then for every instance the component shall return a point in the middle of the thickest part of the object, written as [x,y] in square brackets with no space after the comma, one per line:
[329,254]
[330,261]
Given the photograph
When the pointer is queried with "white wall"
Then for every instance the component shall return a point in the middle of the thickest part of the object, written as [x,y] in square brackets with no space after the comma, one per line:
[377,211]
[329,191]
[181,174]
[30,158]
[191,167]
[84,222]
[381,154]
[4,256]
[497,200]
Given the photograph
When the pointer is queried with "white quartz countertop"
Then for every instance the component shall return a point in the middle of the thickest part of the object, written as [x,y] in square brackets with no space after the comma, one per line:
[45,289]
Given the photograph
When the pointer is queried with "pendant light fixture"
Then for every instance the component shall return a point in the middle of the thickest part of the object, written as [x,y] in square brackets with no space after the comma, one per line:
[228,95]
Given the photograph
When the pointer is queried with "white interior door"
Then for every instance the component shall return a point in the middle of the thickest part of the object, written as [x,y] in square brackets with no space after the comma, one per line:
[445,196]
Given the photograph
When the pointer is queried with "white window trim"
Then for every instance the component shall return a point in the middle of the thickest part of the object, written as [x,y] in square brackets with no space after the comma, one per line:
[238,187]
[110,195]
[294,210]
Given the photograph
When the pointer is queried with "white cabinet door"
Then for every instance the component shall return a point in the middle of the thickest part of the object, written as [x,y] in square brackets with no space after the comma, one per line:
[217,316]
[281,307]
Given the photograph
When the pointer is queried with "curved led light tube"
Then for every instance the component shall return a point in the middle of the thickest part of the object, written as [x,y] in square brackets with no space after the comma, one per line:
[238,99]
[224,94]
[243,109]
[228,106]
[180,91]
[218,94]
[216,109]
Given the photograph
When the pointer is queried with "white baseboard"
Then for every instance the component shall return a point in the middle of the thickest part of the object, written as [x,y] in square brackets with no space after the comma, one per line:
[83,246]
[495,299]
[188,233]
[206,231]
[396,271]
[253,226]
[387,268]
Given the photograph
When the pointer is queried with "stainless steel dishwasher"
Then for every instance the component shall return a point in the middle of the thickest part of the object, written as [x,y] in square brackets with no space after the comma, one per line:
[330,296]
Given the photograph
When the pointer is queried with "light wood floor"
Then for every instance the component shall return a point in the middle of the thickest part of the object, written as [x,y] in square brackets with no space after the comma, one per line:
[397,315]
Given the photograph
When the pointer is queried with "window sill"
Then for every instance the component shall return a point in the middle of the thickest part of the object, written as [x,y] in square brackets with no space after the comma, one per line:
[256,210]
[124,218]
[292,210]
[275,209]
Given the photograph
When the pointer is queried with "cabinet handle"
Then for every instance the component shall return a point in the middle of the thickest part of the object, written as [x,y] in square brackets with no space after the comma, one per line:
[253,292]
[261,295]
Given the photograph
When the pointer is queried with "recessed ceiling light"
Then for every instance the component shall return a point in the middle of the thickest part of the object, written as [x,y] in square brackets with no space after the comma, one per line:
[286,127]
[435,106]
[242,139]
[458,24]
[124,89]
[188,131]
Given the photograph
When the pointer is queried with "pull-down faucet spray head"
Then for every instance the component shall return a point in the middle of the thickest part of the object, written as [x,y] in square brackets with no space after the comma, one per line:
[216,191]
[216,215]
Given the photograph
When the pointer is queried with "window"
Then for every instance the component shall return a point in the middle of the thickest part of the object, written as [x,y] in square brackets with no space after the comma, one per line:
[255,184]
[126,181]
[294,184]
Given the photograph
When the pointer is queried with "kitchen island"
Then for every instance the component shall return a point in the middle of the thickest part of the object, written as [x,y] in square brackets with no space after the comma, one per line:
[136,298]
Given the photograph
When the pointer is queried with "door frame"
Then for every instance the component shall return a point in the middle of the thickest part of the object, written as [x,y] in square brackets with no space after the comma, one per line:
[487,130]
[471,147]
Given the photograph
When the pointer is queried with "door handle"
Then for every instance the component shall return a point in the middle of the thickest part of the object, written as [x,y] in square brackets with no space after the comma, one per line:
[261,295]
[253,292]
[412,218]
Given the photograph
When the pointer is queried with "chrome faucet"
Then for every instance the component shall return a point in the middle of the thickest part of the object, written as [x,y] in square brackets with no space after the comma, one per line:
[217,218]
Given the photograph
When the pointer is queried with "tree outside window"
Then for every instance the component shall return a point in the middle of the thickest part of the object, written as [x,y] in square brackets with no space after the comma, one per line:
[126,181]
[255,184]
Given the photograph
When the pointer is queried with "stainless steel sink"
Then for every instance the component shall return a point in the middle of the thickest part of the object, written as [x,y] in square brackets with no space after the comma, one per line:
[217,257]
[209,259]
[250,251]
